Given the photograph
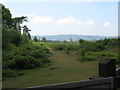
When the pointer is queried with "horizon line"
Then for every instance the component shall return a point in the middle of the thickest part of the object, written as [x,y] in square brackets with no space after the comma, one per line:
[73,34]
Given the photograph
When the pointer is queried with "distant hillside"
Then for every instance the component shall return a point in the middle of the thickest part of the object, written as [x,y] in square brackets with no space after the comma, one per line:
[74,37]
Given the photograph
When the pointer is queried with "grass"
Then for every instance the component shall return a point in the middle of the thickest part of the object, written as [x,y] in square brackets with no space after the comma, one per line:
[44,43]
[66,69]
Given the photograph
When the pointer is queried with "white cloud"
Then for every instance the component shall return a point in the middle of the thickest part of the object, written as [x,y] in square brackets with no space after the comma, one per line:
[89,23]
[72,20]
[41,19]
[68,20]
[78,22]
[1,1]
[107,24]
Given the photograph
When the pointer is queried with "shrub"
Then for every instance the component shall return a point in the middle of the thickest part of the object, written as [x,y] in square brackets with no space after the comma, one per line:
[26,62]
[87,58]
[46,50]
[10,73]
[15,37]
[81,41]
[67,52]
[103,55]
[8,64]
[69,47]
[7,56]
[100,47]
[59,46]
[25,39]
[26,56]
[82,52]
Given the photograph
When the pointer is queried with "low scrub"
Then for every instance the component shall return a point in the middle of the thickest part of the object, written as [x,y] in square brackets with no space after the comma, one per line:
[86,58]
[59,46]
[26,56]
[6,73]
[92,56]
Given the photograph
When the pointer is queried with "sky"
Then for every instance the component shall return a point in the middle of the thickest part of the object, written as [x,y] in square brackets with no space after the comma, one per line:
[83,18]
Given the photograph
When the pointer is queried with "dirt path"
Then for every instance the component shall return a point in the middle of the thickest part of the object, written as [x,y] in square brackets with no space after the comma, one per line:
[61,59]
[68,65]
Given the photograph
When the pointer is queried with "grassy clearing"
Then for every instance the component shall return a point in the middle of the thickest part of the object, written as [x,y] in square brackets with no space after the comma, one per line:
[64,69]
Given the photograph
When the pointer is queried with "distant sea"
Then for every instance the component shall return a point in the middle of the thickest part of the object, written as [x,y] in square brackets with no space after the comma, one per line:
[74,37]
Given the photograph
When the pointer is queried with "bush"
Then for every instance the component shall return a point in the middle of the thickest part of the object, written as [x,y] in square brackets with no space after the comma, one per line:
[67,52]
[7,55]
[24,62]
[99,47]
[69,47]
[10,73]
[8,64]
[15,37]
[104,55]
[12,36]
[82,52]
[59,47]
[46,50]
[25,39]
[26,56]
[21,62]
[87,58]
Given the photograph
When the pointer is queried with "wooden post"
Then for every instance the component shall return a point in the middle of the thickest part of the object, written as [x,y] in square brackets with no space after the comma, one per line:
[107,68]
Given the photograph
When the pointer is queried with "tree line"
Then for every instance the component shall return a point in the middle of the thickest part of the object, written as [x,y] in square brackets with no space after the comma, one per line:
[35,39]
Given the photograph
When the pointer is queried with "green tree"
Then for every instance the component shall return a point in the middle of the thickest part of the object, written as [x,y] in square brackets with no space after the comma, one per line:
[15,37]
[26,31]
[11,28]
[44,39]
[35,39]
[8,21]
[6,17]
[81,41]
[5,38]
[10,36]
[82,52]
[17,21]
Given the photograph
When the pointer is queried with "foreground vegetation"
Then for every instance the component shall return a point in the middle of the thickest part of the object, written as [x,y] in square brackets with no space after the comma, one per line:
[64,68]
